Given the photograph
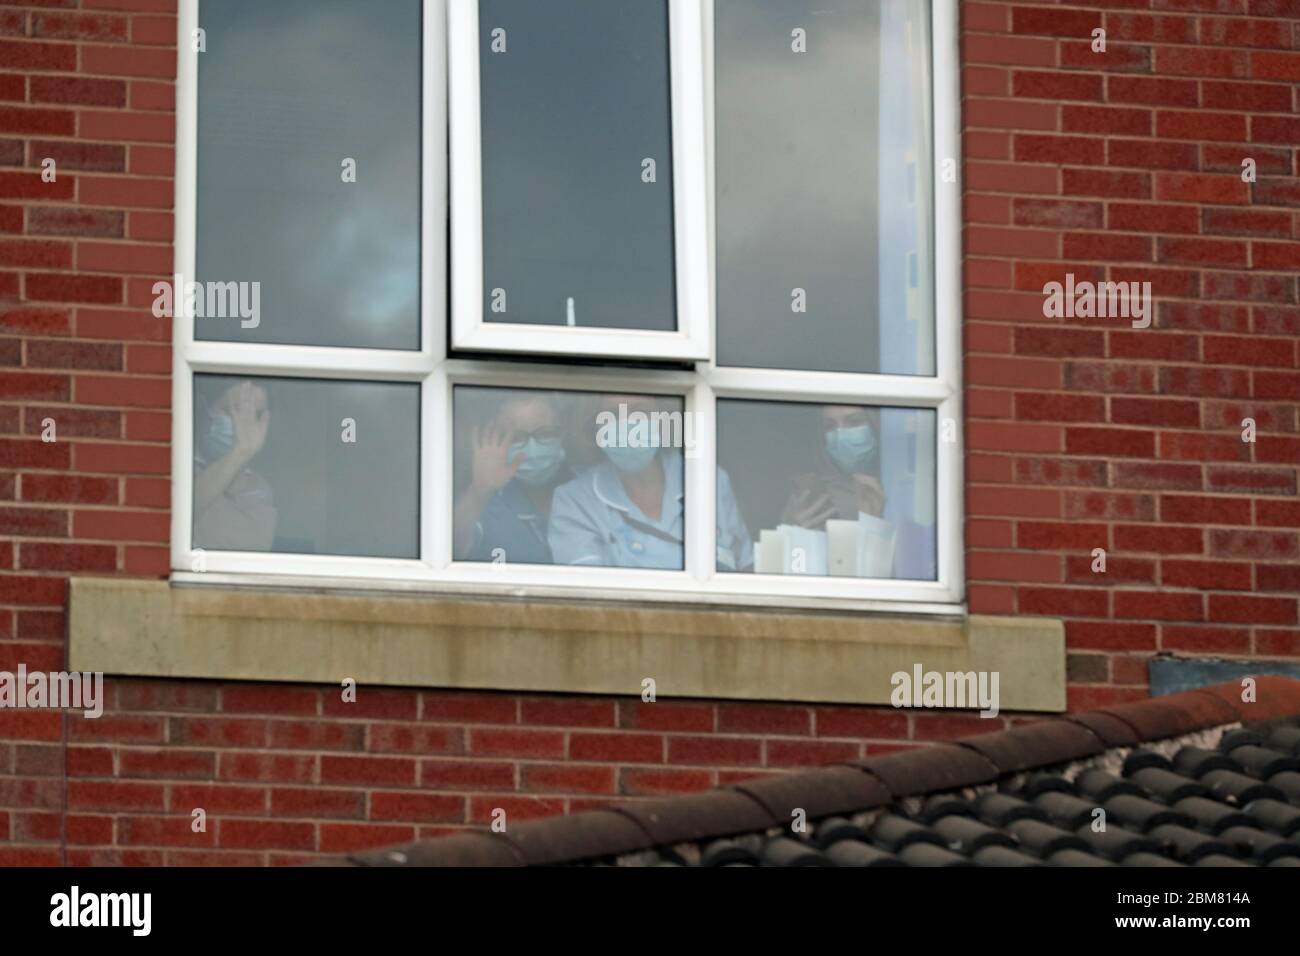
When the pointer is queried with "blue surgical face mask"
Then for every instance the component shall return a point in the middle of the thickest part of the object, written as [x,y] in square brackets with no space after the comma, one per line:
[542,460]
[221,435]
[851,448]
[630,460]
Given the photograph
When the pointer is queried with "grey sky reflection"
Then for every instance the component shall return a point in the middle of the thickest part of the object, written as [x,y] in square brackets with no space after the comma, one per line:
[569,111]
[287,90]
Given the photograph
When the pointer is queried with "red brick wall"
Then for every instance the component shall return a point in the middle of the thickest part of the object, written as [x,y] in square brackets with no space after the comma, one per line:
[1080,433]
[1088,433]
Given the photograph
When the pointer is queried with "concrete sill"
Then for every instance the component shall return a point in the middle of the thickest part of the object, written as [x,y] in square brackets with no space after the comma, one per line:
[151,628]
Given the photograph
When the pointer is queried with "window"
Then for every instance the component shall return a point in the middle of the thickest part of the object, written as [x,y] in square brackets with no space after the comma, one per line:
[610,298]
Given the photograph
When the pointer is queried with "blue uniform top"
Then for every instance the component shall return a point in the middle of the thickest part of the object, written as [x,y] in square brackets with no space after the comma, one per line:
[512,523]
[593,522]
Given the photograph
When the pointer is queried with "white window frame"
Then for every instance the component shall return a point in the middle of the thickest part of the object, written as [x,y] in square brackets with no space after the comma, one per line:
[435,571]
[690,225]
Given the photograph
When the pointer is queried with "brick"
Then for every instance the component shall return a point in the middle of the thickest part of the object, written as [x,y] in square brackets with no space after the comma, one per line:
[1278,514]
[265,834]
[1206,575]
[764,719]
[1079,569]
[1106,504]
[394,771]
[714,750]
[1153,91]
[1278,577]
[163,831]
[406,738]
[1200,125]
[478,708]
[75,26]
[466,775]
[27,55]
[568,778]
[1195,380]
[1060,602]
[421,807]
[1112,442]
[616,747]
[1201,188]
[1205,639]
[1107,119]
[1265,545]
[79,91]
[1055,86]
[1156,475]
[1281,481]
[568,713]
[636,782]
[1249,609]
[1159,605]
[317,803]
[1013,51]
[217,799]
[1204,62]
[1204,509]
[1106,184]
[1110,635]
[1254,288]
[287,768]
[169,764]
[516,742]
[1246,222]
[1061,536]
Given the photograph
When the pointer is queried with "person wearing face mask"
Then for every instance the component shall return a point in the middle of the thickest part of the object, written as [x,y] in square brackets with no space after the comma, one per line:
[518,459]
[628,510]
[846,484]
[234,509]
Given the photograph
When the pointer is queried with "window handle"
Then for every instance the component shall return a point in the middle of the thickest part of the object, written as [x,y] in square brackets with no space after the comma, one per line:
[570,318]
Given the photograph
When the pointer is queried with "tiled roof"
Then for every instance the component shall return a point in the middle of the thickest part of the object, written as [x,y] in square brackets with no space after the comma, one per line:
[1199,778]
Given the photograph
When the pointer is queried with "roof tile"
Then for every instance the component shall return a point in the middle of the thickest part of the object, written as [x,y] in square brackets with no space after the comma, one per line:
[940,767]
[818,793]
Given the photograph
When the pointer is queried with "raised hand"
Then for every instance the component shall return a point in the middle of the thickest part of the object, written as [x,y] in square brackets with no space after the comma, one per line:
[491,472]
[870,494]
[250,422]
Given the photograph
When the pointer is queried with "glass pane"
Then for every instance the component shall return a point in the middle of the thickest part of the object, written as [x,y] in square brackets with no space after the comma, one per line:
[824,185]
[851,491]
[306,466]
[577,163]
[577,478]
[289,93]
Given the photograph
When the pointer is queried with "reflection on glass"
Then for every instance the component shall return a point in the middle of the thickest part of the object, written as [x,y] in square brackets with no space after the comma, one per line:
[577,163]
[579,478]
[842,490]
[288,465]
[823,185]
[294,96]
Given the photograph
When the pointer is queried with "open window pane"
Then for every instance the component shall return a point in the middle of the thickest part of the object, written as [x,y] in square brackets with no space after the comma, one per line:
[850,493]
[824,185]
[577,169]
[309,169]
[306,466]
